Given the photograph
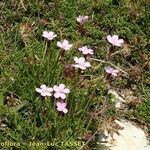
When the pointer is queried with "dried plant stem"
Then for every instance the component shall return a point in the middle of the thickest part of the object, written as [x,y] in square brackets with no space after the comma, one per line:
[117,52]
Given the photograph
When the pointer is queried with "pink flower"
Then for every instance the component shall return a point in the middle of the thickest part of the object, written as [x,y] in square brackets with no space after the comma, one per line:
[114,40]
[111,71]
[44,90]
[60,91]
[64,45]
[82,19]
[49,35]
[85,50]
[81,63]
[61,106]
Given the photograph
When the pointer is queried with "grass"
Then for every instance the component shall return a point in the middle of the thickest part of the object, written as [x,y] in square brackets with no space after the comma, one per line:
[27,118]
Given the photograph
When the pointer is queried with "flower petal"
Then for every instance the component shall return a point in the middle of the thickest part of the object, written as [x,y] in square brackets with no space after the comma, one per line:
[81,60]
[87,64]
[59,107]
[57,95]
[76,65]
[43,87]
[108,69]
[76,59]
[61,86]
[49,89]
[66,90]
[65,110]
[68,47]
[59,44]
[48,94]
[63,104]
[65,42]
[117,44]
[43,93]
[38,90]
[58,104]
[82,67]
[109,38]
[62,95]
[115,37]
[121,41]
[56,88]
[114,74]
[115,70]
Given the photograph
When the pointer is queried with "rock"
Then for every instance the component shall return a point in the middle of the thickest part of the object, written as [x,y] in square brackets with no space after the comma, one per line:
[130,137]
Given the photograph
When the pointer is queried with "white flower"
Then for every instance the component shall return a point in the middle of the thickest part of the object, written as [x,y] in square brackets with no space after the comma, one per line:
[64,45]
[114,40]
[81,63]
[44,90]
[85,50]
[49,35]
[61,106]
[60,91]
[82,19]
